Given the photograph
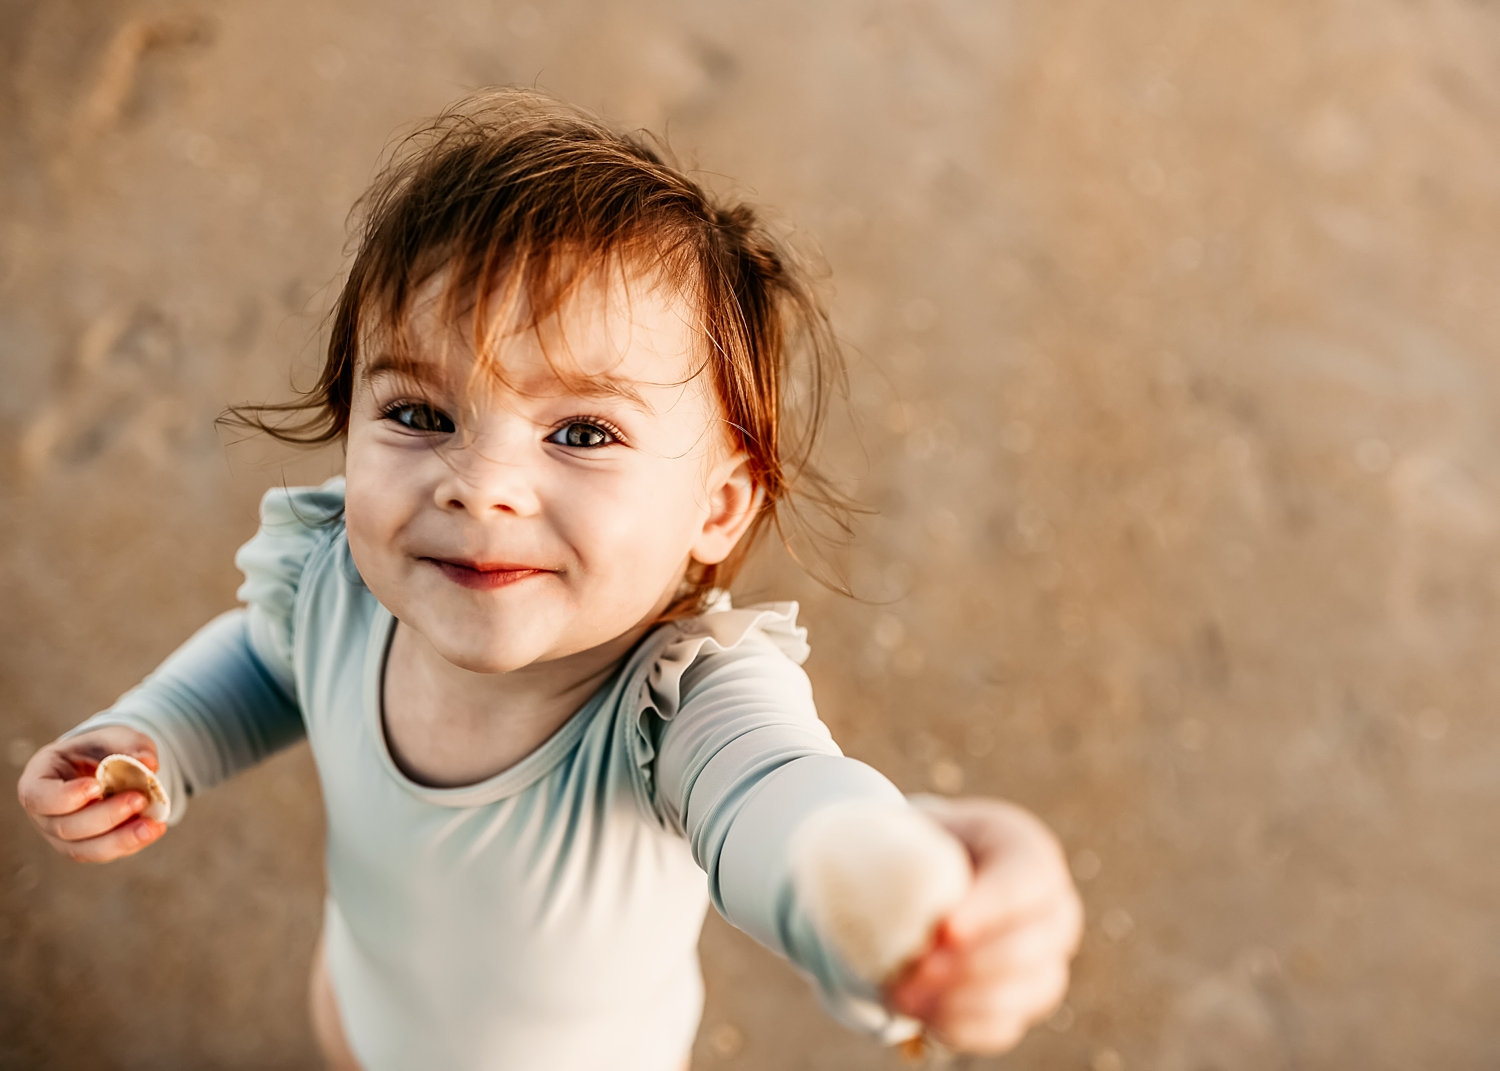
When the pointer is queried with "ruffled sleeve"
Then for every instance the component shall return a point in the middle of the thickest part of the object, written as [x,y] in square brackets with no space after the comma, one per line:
[767,631]
[293,523]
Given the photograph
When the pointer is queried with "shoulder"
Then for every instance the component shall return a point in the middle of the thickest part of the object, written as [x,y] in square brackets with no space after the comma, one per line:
[761,641]
[728,668]
[312,507]
[727,683]
[300,540]
[294,523]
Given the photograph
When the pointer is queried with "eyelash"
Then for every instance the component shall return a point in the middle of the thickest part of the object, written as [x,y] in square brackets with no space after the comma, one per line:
[614,433]
[391,411]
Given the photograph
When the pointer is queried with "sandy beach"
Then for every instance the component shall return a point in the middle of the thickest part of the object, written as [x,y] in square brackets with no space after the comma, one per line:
[1173,396]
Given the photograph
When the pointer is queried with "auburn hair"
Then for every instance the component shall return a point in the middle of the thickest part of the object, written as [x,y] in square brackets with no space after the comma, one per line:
[515,198]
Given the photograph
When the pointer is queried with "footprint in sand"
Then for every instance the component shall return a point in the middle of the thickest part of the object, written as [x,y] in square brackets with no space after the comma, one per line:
[120,392]
[123,81]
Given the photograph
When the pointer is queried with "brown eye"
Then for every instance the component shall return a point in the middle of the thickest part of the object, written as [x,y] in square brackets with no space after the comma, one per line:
[582,433]
[423,418]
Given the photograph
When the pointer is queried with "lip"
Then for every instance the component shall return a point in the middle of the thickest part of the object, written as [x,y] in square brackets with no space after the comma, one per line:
[485,576]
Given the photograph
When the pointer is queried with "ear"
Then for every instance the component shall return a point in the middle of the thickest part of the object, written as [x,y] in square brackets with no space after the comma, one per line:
[734,500]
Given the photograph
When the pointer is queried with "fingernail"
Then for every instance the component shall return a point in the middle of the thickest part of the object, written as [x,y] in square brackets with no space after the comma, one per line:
[146,830]
[93,790]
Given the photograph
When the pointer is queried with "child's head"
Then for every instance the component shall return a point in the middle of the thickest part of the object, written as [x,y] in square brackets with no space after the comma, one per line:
[510,214]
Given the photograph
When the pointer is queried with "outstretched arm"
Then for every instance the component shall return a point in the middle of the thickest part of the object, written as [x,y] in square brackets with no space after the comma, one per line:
[213,708]
[740,765]
[221,702]
[742,768]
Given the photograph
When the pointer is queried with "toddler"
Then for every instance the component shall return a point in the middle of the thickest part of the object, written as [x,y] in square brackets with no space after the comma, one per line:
[545,737]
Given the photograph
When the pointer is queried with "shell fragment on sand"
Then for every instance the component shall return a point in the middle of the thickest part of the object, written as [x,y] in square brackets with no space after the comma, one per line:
[121,773]
[876,879]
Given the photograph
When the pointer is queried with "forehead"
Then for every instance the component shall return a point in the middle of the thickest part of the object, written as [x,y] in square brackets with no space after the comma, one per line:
[622,326]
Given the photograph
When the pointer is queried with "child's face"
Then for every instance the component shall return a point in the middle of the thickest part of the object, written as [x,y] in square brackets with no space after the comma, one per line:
[516,525]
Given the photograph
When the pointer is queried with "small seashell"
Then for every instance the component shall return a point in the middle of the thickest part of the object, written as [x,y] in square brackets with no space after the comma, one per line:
[121,773]
[876,879]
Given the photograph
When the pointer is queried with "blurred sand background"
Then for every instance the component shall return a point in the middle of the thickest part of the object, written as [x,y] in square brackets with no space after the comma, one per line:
[1173,328]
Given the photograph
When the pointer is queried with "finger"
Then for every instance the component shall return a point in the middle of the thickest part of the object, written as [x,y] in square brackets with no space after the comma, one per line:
[81,753]
[970,926]
[145,754]
[990,1036]
[921,987]
[51,795]
[1030,995]
[1071,907]
[1014,880]
[118,843]
[98,818]
[1009,892]
[994,1018]
[1044,944]
[50,764]
[1055,922]
[75,759]
[88,755]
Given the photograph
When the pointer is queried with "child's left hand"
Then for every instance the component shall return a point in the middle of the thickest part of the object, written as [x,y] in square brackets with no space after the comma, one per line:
[1000,961]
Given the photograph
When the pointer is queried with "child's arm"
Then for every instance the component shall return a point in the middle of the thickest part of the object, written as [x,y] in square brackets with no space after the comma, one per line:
[742,765]
[740,762]
[211,709]
[223,701]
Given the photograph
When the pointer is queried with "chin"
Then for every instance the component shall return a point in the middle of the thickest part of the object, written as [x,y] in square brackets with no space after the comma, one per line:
[476,652]
[488,661]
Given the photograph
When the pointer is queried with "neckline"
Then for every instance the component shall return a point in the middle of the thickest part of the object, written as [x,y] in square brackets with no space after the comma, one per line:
[511,781]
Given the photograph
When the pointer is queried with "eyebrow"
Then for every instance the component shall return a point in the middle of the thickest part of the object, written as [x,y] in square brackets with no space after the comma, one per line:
[385,365]
[601,386]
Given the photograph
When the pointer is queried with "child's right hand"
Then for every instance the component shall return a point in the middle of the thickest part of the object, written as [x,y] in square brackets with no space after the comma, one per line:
[59,793]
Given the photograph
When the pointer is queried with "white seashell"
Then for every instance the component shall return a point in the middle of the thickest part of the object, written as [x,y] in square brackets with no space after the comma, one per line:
[876,879]
[119,773]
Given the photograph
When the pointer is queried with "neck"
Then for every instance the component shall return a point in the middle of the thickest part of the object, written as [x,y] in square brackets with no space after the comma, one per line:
[446,725]
[546,691]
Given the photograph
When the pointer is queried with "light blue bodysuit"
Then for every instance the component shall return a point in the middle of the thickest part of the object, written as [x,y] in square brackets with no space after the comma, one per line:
[547,917]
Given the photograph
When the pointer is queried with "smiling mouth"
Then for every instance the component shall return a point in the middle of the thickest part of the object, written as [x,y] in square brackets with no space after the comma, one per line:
[484,576]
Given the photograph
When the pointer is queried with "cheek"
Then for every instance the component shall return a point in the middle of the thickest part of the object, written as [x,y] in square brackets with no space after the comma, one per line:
[358,465]
[376,476]
[357,500]
[357,516]
[370,503]
[648,518]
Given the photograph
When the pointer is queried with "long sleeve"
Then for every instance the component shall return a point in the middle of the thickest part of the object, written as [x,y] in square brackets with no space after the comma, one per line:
[741,761]
[226,699]
[213,708]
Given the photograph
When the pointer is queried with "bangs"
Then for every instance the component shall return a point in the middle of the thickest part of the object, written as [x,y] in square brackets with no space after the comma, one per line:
[502,214]
[475,302]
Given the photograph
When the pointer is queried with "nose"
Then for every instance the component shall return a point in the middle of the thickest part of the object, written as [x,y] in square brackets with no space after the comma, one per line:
[485,478]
